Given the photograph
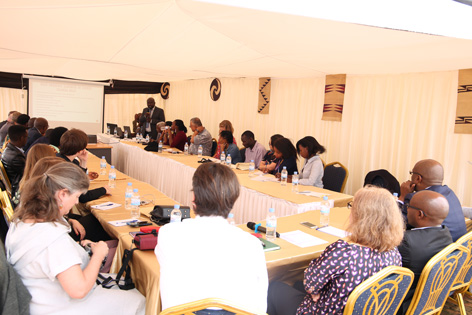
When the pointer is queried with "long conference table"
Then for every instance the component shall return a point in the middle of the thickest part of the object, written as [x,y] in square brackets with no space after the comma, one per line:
[172,174]
[285,264]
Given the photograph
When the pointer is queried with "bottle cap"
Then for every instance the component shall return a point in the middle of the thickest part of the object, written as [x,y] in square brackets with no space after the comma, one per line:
[295,173]
[229,154]
[271,210]
[230,216]
[130,184]
[176,206]
[325,197]
[395,194]
[285,167]
[252,161]
[135,190]
[103,157]
[112,167]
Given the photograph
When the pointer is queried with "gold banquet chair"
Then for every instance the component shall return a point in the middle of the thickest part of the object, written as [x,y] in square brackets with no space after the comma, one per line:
[6,205]
[4,178]
[191,307]
[382,293]
[436,280]
[464,278]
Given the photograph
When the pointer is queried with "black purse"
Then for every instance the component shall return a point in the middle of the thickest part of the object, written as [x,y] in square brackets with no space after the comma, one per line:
[161,214]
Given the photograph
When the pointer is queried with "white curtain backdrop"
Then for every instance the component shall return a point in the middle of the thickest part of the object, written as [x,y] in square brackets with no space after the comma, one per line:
[389,121]
[11,99]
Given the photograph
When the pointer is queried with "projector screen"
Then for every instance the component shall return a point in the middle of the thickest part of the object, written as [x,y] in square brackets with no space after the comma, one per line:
[67,103]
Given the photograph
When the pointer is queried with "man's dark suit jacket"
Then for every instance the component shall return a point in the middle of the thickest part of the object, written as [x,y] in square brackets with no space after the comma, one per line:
[417,248]
[33,135]
[455,220]
[14,161]
[157,116]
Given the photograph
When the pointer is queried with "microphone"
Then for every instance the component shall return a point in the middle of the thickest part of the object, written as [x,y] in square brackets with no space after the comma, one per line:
[261,229]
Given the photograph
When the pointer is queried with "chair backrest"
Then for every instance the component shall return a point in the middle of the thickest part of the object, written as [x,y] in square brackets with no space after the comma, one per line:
[335,177]
[436,280]
[464,276]
[383,178]
[381,294]
[214,145]
[6,205]
[190,308]
[4,177]
[242,152]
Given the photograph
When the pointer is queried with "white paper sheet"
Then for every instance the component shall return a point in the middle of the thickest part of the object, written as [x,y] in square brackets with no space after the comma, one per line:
[313,193]
[106,206]
[121,222]
[301,239]
[333,231]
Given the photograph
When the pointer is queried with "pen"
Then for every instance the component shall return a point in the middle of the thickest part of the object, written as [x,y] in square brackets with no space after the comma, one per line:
[107,205]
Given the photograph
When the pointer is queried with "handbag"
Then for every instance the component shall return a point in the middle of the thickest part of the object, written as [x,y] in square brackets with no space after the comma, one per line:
[108,281]
[161,214]
[146,241]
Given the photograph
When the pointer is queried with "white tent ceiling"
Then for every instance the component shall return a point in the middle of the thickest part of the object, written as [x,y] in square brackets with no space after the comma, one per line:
[169,40]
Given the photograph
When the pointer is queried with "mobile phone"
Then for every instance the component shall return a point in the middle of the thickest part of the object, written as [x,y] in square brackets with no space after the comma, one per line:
[309,225]
[139,223]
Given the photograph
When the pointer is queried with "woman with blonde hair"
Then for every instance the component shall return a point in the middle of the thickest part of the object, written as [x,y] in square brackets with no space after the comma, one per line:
[225,125]
[57,271]
[36,153]
[375,230]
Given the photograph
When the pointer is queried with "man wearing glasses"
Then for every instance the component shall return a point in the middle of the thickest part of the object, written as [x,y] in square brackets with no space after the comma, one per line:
[429,175]
[426,212]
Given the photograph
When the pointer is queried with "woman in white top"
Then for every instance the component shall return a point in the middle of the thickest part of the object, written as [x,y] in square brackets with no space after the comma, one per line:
[57,271]
[312,172]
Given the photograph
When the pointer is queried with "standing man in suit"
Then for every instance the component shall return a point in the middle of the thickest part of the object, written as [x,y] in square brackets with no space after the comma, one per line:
[150,117]
[427,237]
[13,157]
[429,175]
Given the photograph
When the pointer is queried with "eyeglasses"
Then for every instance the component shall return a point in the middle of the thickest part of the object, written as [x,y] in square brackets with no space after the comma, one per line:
[349,205]
[411,173]
[410,206]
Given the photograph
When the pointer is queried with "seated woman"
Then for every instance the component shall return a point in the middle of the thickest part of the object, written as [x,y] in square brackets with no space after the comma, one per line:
[228,147]
[225,125]
[376,229]
[57,271]
[36,153]
[226,262]
[176,135]
[285,155]
[312,172]
[55,137]
[73,146]
[269,157]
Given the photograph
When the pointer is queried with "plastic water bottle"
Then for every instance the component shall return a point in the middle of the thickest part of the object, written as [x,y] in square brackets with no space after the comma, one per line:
[108,130]
[324,215]
[116,132]
[200,151]
[271,225]
[186,148]
[135,203]
[138,136]
[147,138]
[112,177]
[159,147]
[228,160]
[295,182]
[283,177]
[176,215]
[222,157]
[128,196]
[125,134]
[252,168]
[103,166]
[231,219]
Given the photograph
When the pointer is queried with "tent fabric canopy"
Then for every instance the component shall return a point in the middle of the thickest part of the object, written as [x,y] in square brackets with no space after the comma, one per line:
[174,40]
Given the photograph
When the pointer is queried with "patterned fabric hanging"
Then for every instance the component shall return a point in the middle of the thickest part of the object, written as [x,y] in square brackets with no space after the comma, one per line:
[264,96]
[215,89]
[463,122]
[165,90]
[334,97]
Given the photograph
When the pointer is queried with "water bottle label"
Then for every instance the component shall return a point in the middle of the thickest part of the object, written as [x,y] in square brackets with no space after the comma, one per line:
[112,176]
[251,168]
[284,176]
[103,165]
[271,224]
[295,181]
[128,195]
[324,209]
[135,202]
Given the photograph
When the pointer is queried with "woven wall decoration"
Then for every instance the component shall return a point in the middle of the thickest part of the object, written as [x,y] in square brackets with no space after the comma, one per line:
[215,89]
[165,87]
[464,103]
[334,97]
[264,96]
